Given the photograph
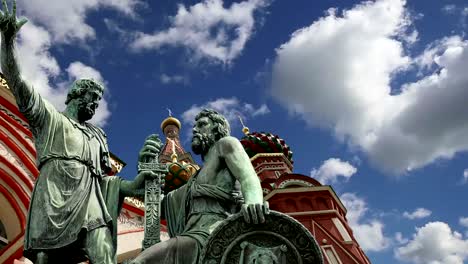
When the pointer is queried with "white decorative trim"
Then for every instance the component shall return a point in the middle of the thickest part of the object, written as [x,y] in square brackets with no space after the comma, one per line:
[15,117]
[338,243]
[312,212]
[267,155]
[7,153]
[290,182]
[262,168]
[135,202]
[343,232]
[23,208]
[330,247]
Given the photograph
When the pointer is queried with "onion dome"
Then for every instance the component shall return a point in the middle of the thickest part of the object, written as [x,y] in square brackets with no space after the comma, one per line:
[170,121]
[262,142]
[179,173]
[180,163]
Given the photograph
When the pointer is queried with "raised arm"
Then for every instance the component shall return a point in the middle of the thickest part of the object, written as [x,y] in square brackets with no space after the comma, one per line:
[240,166]
[9,27]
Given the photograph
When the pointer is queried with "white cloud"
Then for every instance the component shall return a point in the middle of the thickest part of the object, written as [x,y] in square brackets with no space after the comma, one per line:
[368,233]
[208,29]
[434,243]
[174,79]
[463,221]
[40,69]
[231,108]
[262,110]
[400,239]
[337,72]
[66,20]
[418,213]
[78,70]
[465,176]
[331,169]
[37,64]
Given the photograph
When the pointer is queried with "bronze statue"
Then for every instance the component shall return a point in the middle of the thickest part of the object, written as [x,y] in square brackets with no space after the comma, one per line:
[210,196]
[74,205]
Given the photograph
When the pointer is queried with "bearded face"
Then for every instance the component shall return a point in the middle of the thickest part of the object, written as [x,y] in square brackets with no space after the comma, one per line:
[201,143]
[203,136]
[88,104]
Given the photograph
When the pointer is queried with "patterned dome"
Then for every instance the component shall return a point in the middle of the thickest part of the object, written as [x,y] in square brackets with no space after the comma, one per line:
[178,175]
[261,142]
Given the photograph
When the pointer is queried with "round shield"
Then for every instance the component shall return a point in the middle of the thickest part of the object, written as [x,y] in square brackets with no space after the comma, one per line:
[280,240]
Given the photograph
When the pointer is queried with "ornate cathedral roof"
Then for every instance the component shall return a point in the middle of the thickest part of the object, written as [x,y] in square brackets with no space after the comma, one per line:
[263,142]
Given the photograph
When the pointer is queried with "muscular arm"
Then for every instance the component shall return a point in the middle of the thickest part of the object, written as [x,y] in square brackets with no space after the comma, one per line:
[19,88]
[239,164]
[9,28]
[129,188]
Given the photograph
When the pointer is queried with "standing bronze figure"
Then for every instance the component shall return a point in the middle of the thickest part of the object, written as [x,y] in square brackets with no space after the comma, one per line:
[74,204]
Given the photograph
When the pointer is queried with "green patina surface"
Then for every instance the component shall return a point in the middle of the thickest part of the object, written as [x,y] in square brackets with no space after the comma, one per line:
[226,184]
[74,205]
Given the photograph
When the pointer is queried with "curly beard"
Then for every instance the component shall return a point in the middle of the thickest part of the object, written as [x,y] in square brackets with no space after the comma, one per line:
[202,143]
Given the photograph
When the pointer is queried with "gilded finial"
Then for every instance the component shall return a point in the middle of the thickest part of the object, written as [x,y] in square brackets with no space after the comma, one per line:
[245,129]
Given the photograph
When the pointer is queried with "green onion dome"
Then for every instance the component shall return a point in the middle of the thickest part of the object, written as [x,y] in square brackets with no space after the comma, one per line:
[262,142]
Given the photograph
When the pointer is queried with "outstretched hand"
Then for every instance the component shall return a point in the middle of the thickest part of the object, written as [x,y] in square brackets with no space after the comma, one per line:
[9,25]
[255,213]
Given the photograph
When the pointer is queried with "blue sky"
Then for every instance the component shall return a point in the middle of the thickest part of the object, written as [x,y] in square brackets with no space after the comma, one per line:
[371,96]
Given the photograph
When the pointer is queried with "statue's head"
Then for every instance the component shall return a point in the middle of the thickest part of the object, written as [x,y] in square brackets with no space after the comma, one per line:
[85,95]
[210,126]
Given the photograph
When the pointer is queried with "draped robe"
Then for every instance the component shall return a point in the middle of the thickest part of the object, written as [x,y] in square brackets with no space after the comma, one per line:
[192,212]
[72,195]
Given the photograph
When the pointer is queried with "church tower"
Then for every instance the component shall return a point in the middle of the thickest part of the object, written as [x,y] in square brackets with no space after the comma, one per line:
[180,162]
[314,205]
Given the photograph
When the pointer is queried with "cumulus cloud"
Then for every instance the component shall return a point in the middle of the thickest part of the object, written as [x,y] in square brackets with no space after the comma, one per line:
[40,69]
[367,231]
[207,29]
[37,64]
[66,20]
[331,169]
[231,108]
[463,221]
[336,73]
[434,243]
[417,214]
[78,70]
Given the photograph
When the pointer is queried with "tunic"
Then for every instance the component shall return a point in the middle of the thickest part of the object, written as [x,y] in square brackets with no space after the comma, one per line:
[67,196]
[194,211]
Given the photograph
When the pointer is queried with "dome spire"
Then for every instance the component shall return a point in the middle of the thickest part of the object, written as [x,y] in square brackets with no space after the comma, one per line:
[245,129]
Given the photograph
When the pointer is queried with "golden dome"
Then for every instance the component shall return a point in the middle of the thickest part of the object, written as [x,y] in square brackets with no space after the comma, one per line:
[170,121]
